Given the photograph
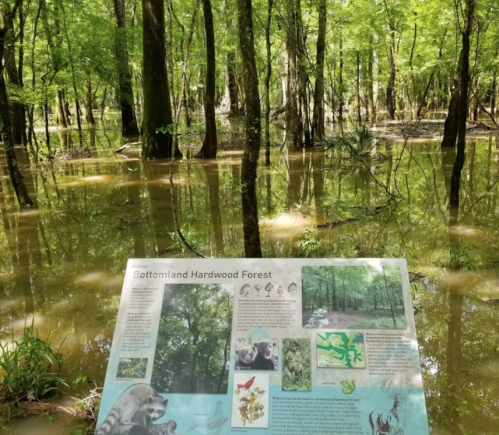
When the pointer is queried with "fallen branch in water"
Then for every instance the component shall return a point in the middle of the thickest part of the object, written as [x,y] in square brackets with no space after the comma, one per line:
[376,210]
[80,409]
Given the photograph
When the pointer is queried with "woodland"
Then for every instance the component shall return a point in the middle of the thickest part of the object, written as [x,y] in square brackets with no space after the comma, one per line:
[248,128]
[66,62]
[370,298]
[193,347]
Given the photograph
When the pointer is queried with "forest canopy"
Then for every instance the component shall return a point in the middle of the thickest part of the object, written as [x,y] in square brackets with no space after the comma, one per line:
[193,346]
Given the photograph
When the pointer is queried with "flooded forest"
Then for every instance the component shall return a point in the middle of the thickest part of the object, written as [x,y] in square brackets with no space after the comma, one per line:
[246,128]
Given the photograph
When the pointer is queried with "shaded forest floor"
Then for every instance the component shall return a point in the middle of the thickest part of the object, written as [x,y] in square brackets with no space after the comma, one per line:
[362,319]
[428,129]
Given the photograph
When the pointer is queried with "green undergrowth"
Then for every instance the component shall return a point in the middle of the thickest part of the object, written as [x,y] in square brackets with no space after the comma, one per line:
[29,367]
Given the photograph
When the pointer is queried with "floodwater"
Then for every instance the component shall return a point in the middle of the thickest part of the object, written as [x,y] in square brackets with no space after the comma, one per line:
[63,261]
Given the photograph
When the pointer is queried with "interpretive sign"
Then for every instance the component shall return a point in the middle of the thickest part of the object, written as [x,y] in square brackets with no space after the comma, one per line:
[264,346]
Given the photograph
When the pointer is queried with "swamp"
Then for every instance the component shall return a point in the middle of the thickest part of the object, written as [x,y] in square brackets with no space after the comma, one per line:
[248,128]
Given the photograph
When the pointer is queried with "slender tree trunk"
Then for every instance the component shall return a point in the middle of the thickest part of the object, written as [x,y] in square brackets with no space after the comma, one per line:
[389,300]
[450,125]
[493,92]
[169,55]
[252,247]
[158,121]
[88,104]
[268,75]
[359,117]
[209,148]
[293,121]
[232,84]
[341,102]
[462,109]
[318,120]
[302,76]
[184,73]
[390,88]
[128,118]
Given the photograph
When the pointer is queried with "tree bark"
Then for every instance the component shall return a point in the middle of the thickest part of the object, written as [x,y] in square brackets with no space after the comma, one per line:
[268,75]
[209,148]
[88,104]
[462,109]
[169,55]
[293,122]
[18,119]
[232,84]
[318,120]
[302,76]
[157,122]
[10,155]
[450,125]
[128,117]
[252,246]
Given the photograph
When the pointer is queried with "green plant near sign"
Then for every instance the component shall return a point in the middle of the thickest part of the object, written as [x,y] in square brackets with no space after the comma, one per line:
[27,367]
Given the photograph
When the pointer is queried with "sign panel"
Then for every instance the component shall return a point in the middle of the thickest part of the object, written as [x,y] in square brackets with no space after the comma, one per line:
[266,346]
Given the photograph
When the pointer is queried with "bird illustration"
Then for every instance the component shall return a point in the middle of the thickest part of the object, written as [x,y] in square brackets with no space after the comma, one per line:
[211,426]
[247,385]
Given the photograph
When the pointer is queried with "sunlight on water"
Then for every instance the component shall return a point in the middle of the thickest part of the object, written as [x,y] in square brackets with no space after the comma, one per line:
[64,260]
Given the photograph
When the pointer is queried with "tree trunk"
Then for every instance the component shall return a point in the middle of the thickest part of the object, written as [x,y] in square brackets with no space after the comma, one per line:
[462,109]
[232,84]
[158,122]
[318,120]
[128,118]
[359,117]
[389,300]
[341,102]
[169,56]
[390,88]
[8,145]
[252,247]
[18,119]
[209,148]
[88,104]
[268,75]
[303,76]
[293,122]
[493,91]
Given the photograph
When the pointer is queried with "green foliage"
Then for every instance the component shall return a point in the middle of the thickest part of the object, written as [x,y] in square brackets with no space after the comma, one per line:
[132,368]
[348,386]
[460,257]
[250,407]
[354,140]
[309,245]
[178,244]
[27,367]
[193,345]
[169,129]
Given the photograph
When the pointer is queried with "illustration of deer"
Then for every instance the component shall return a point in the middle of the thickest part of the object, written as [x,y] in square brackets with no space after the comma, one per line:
[389,421]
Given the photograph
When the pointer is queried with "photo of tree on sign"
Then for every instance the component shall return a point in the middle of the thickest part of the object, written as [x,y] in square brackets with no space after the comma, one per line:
[193,347]
[341,350]
[250,400]
[363,297]
[132,368]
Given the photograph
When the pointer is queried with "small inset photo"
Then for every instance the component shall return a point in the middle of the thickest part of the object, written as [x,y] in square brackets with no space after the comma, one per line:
[296,369]
[352,297]
[343,350]
[250,400]
[132,368]
[256,353]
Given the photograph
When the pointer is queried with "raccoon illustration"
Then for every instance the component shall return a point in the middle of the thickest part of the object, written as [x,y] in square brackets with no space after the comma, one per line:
[139,404]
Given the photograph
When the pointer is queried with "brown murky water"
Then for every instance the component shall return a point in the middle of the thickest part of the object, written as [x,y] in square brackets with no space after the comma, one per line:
[63,262]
